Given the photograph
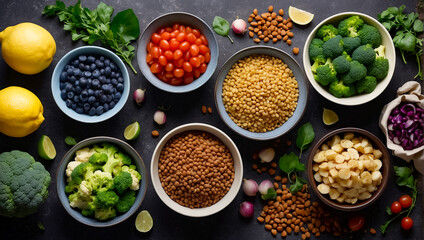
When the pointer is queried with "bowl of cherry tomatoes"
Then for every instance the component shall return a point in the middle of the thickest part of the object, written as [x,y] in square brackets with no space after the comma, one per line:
[177,52]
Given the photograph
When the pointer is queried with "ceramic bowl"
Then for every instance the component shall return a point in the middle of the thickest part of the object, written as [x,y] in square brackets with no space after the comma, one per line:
[298,74]
[221,204]
[390,55]
[89,50]
[385,169]
[61,181]
[168,20]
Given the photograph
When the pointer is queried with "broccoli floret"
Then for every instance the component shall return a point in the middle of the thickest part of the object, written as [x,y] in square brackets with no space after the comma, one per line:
[341,64]
[315,49]
[326,32]
[326,73]
[103,214]
[320,61]
[123,158]
[357,72]
[125,202]
[89,211]
[81,172]
[122,182]
[351,43]
[98,159]
[136,177]
[339,89]
[364,54]
[380,67]
[24,184]
[100,181]
[333,47]
[111,151]
[349,27]
[106,198]
[76,200]
[366,85]
[370,35]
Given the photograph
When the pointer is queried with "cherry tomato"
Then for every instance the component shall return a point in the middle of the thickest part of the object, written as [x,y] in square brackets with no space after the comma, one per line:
[187,67]
[155,38]
[162,60]
[207,57]
[203,67]
[165,35]
[194,50]
[155,68]
[178,54]
[396,207]
[164,44]
[203,49]
[188,29]
[169,67]
[169,55]
[176,81]
[169,75]
[160,75]
[195,62]
[407,223]
[188,78]
[175,26]
[196,32]
[182,29]
[155,52]
[201,58]
[149,57]
[149,46]
[191,38]
[196,73]
[174,45]
[204,39]
[175,33]
[187,56]
[184,46]
[198,42]
[168,29]
[405,201]
[178,72]
[356,223]
[181,37]
[179,63]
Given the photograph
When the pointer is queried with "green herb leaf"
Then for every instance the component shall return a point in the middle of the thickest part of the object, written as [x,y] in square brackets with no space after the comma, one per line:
[298,185]
[289,162]
[418,25]
[305,136]
[271,194]
[40,226]
[70,141]
[221,27]
[126,25]
[104,12]
[389,211]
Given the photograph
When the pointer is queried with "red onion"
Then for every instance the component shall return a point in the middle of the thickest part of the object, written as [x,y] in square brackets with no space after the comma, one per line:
[246,209]
[139,96]
[406,126]
[264,186]
[250,187]
[267,155]
[159,117]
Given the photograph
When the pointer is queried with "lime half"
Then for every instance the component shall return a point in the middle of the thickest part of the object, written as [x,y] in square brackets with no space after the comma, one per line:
[329,117]
[132,131]
[46,148]
[144,222]
[300,16]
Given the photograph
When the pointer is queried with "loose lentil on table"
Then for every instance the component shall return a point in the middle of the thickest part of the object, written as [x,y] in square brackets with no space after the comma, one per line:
[196,169]
[260,93]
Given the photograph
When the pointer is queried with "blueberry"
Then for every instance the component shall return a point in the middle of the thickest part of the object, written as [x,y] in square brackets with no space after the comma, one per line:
[92,111]
[93,66]
[84,97]
[66,67]
[90,92]
[112,104]
[77,72]
[72,79]
[91,99]
[106,107]
[113,66]
[83,82]
[108,80]
[95,84]
[96,73]
[78,89]
[96,104]
[70,95]
[81,66]
[107,62]
[82,58]
[79,110]
[106,88]
[87,107]
[70,71]
[87,74]
[87,67]
[114,81]
[102,58]
[68,103]
[102,79]
[102,71]
[99,64]
[63,94]
[113,90]
[74,106]
[62,85]
[109,98]
[103,98]
[76,99]
[120,87]
[89,83]
[69,87]
[91,59]
[63,76]
[97,93]
[107,71]
[117,96]
[117,75]
[99,110]
[120,79]
[76,63]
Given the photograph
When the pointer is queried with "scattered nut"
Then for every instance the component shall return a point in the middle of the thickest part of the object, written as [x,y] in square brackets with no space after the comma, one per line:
[296,50]
[204,109]
[155,133]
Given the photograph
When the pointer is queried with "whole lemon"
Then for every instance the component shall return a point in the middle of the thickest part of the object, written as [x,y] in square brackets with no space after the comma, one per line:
[21,112]
[27,47]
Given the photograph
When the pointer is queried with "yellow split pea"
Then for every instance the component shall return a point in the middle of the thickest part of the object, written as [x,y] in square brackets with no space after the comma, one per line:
[260,93]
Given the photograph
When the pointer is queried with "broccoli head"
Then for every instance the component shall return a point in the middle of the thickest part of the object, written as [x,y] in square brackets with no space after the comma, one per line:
[106,198]
[351,43]
[320,61]
[125,202]
[349,27]
[326,32]
[315,49]
[122,182]
[136,177]
[100,181]
[341,64]
[24,184]
[123,158]
[364,54]
[370,35]
[339,89]
[98,159]
[326,73]
[366,85]
[380,67]
[103,214]
[81,172]
[333,47]
[357,72]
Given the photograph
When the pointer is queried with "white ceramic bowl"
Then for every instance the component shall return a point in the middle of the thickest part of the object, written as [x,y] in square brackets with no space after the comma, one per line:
[221,204]
[390,55]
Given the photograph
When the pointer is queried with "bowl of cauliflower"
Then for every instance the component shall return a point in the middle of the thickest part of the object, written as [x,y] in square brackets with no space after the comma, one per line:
[101,181]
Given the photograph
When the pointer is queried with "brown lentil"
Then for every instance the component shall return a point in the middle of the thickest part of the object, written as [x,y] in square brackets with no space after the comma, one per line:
[295,50]
[196,169]
[155,133]
[204,109]
[260,93]
[209,110]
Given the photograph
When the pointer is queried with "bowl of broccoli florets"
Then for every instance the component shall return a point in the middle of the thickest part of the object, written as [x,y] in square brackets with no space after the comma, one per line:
[101,181]
[349,58]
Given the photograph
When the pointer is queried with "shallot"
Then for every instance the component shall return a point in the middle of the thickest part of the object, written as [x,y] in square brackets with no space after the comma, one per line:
[250,187]
[139,95]
[159,117]
[246,209]
[267,154]
[264,186]
[239,26]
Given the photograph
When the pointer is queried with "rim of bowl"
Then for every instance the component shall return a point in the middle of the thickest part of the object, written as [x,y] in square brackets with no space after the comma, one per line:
[359,99]
[84,117]
[197,83]
[385,170]
[254,135]
[224,201]
[119,218]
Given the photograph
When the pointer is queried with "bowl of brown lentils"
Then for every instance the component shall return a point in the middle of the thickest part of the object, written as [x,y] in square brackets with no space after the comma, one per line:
[261,92]
[196,170]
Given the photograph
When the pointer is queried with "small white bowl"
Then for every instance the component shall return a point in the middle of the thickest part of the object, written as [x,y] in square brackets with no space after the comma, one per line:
[221,204]
[390,55]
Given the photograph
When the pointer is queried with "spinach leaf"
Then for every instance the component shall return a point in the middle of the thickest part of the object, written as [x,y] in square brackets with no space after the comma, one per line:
[298,185]
[125,24]
[305,136]
[221,27]
[104,12]
[288,163]
[70,141]
[271,194]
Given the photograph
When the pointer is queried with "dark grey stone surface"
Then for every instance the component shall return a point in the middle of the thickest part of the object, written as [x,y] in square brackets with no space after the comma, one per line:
[185,108]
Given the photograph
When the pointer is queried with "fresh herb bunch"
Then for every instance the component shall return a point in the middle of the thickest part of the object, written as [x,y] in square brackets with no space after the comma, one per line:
[90,26]
[289,163]
[404,178]
[406,28]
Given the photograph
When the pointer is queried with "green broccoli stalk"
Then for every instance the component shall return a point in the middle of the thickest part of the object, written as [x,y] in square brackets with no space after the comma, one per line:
[370,35]
[125,202]
[380,68]
[98,159]
[351,43]
[357,72]
[347,56]
[122,182]
[341,64]
[366,85]
[339,89]
[333,47]
[349,27]
[326,73]
[326,32]
[364,54]
[24,184]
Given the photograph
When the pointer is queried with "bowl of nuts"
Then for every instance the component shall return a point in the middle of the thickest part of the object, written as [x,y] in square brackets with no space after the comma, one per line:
[196,170]
[348,168]
[261,92]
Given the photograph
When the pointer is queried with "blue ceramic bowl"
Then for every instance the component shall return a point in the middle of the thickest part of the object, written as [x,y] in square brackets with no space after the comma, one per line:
[168,20]
[298,74]
[61,181]
[66,60]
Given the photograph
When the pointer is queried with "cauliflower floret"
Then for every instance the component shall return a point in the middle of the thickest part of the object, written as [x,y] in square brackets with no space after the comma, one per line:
[71,166]
[85,189]
[78,201]
[135,185]
[84,154]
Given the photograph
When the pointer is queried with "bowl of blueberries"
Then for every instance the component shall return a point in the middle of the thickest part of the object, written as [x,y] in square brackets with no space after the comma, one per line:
[90,84]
